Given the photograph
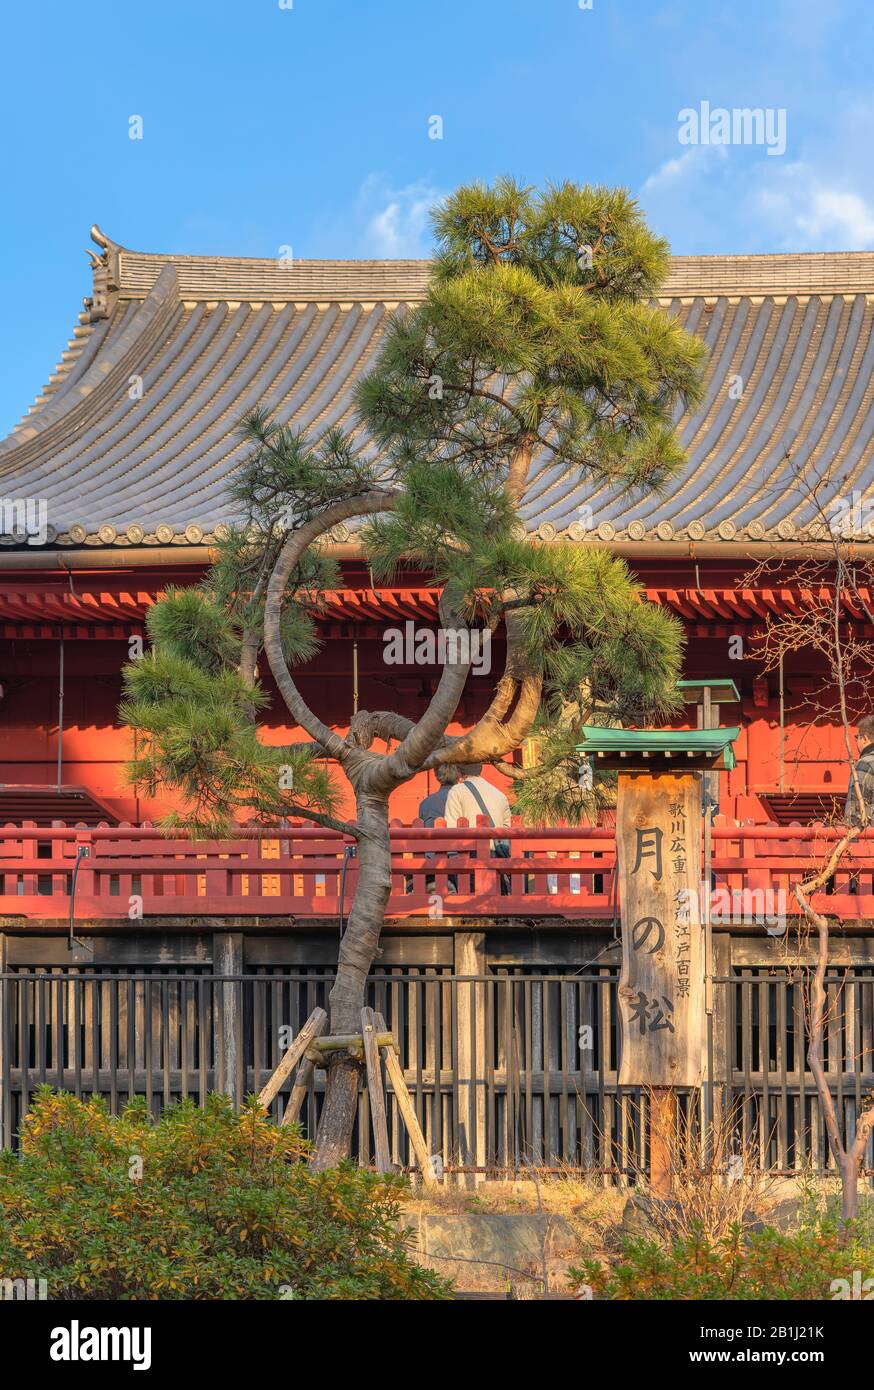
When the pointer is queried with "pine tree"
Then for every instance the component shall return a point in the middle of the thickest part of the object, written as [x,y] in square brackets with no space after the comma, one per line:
[538,336]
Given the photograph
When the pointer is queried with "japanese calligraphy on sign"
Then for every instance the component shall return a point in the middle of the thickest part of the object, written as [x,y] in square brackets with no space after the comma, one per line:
[661,986]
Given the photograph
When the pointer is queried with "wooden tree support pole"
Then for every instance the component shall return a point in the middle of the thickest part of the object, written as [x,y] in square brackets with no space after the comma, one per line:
[376,1092]
[348,1042]
[313,1057]
[395,1075]
[662,1138]
[311,1030]
[299,1091]
[376,1044]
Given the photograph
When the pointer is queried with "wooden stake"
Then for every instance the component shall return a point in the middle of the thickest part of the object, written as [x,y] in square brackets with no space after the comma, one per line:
[376,1092]
[311,1029]
[298,1091]
[407,1109]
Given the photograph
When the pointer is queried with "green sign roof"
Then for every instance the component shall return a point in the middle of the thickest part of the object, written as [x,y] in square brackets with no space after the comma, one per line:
[678,749]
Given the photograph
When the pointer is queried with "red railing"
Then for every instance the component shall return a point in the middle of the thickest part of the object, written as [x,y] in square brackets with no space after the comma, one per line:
[128,872]
[131,872]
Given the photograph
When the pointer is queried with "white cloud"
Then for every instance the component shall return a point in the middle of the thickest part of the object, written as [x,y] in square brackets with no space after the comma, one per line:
[692,161]
[809,211]
[845,215]
[735,200]
[395,221]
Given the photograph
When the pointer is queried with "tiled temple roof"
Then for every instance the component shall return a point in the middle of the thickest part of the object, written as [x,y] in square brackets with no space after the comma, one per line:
[206,338]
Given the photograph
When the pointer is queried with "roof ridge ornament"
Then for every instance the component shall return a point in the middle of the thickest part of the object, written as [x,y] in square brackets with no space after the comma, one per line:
[100,238]
[105,269]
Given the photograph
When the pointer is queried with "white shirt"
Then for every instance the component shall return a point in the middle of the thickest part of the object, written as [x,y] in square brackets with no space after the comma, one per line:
[461,805]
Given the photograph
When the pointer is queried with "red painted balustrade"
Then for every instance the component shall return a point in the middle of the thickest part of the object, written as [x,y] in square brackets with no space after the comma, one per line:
[297,872]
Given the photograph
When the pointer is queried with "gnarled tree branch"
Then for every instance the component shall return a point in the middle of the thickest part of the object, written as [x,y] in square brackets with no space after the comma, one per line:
[367,504]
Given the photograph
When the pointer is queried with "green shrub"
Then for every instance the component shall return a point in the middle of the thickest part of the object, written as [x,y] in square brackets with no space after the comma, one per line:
[201,1204]
[769,1264]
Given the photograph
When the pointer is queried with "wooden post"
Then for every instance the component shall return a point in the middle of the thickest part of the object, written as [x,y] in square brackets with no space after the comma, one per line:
[662,986]
[470,1053]
[662,1130]
[227,958]
[708,718]
[312,1028]
[376,1092]
[407,1109]
[721,1015]
[5,1062]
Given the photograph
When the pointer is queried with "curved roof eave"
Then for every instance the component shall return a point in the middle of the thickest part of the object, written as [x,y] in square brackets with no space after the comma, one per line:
[133,443]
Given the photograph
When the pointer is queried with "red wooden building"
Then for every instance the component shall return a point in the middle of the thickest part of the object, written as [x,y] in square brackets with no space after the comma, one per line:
[114,485]
[124,460]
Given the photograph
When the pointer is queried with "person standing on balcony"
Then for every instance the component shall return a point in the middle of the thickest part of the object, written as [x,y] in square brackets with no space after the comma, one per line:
[864,770]
[476,797]
[433,807]
[473,797]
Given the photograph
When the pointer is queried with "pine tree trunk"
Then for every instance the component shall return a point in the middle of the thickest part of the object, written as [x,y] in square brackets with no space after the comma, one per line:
[357,952]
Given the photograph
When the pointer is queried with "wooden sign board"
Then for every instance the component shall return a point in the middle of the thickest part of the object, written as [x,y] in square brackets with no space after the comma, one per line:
[661,985]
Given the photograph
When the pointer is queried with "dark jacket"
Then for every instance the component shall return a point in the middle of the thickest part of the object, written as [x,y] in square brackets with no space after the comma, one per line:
[434,806]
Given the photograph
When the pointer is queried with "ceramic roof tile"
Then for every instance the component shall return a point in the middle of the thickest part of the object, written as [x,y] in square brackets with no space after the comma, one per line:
[136,433]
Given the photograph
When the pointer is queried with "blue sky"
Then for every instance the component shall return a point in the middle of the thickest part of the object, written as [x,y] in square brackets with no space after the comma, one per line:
[308,126]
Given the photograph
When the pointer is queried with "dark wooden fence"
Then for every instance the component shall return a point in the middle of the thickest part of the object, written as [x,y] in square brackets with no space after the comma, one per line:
[507,1068]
